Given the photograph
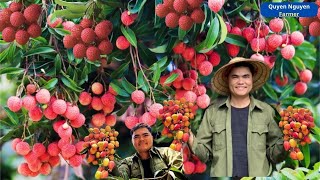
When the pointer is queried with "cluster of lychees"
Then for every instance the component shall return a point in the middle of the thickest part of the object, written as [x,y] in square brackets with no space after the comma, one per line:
[191,163]
[102,102]
[176,116]
[20,23]
[88,40]
[312,22]
[187,87]
[100,147]
[261,39]
[296,124]
[41,159]
[41,103]
[182,13]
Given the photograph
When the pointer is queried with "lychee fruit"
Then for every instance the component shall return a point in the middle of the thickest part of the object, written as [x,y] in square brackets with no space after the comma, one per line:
[88,35]
[305,21]
[57,124]
[103,29]
[23,169]
[97,88]
[86,23]
[32,13]
[76,31]
[180,6]
[305,75]
[49,114]
[122,43]
[276,25]
[154,109]
[22,37]
[79,50]
[214,58]
[190,96]
[288,52]
[200,89]
[78,121]
[68,151]
[39,149]
[172,20]
[232,50]
[14,143]
[257,56]
[215,5]
[14,103]
[111,120]
[72,112]
[96,103]
[98,120]
[23,148]
[138,96]
[127,18]
[236,30]
[53,149]
[185,22]
[270,60]
[189,54]
[148,119]
[274,40]
[8,34]
[296,38]
[69,41]
[59,106]
[205,68]
[258,45]
[314,28]
[34,30]
[54,161]
[179,48]
[203,101]
[65,131]
[300,88]
[108,99]
[194,3]
[105,47]
[131,121]
[45,169]
[75,160]
[85,98]
[93,53]
[161,10]
[43,96]
[35,114]
[248,33]
[188,83]
[15,6]
[188,167]
[281,81]
[17,19]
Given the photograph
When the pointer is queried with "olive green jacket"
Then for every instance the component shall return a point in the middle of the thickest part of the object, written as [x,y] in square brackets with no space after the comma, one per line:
[264,139]
[162,159]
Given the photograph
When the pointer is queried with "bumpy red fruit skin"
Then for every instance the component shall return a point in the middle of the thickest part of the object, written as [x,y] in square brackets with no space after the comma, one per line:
[69,41]
[148,119]
[131,121]
[32,13]
[197,15]
[75,160]
[300,88]
[93,53]
[78,122]
[233,50]
[189,54]
[282,82]
[188,167]
[161,10]
[98,120]
[39,149]
[85,98]
[86,23]
[179,48]
[305,75]
[43,96]
[127,18]
[314,28]
[103,29]
[205,68]
[97,88]
[185,22]
[105,47]
[203,101]
[79,50]
[17,19]
[248,33]
[34,30]
[15,6]
[59,106]
[122,43]
[23,148]
[296,38]
[88,35]
[35,114]
[8,34]
[215,5]
[22,37]
[68,151]
[138,96]
[53,149]
[14,143]
[14,103]
[172,20]
[288,52]
[110,120]
[276,25]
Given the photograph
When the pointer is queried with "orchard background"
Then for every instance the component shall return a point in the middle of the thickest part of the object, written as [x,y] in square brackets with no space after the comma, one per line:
[79,74]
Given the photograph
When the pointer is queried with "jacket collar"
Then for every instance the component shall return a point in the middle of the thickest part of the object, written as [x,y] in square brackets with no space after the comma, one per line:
[254,103]
[153,151]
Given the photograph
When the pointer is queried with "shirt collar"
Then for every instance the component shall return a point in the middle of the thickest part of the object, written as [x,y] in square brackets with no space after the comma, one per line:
[254,103]
[153,151]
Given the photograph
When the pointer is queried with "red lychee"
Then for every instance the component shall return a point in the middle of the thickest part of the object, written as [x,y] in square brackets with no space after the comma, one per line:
[300,88]
[189,54]
[215,5]
[179,48]
[72,112]
[248,33]
[127,18]
[79,50]
[53,149]
[23,148]
[85,98]
[93,53]
[86,23]
[161,10]
[188,83]
[45,169]
[281,81]
[22,37]
[14,103]
[69,41]
[305,21]
[232,50]
[131,121]
[75,160]
[78,121]
[68,151]
[138,96]
[172,20]
[59,106]
[154,109]
[108,99]
[105,47]
[258,45]
[180,5]
[203,101]
[76,31]
[148,119]
[15,6]
[188,167]
[122,43]
[65,131]
[17,19]
[35,114]
[190,96]
[96,103]
[276,25]
[214,58]
[14,143]
[185,22]
[98,120]
[43,96]
[8,34]
[236,30]
[288,52]
[274,40]
[39,149]
[111,120]
[34,30]
[205,68]
[314,28]
[296,38]
[32,13]
[88,35]
[97,88]
[49,114]
[103,29]
[305,75]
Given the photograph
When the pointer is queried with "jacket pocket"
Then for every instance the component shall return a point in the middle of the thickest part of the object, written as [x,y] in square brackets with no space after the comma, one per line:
[219,136]
[259,136]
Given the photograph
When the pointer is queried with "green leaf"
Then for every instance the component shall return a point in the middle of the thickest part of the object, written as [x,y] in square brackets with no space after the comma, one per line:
[112,3]
[66,13]
[223,28]
[306,153]
[12,116]
[70,83]
[50,85]
[156,76]
[181,34]
[61,31]
[313,174]
[236,40]
[11,70]
[57,64]
[142,82]
[119,72]
[8,136]
[138,6]
[211,37]
[129,34]
[287,91]
[119,91]
[122,110]
[298,62]
[171,78]
[127,85]
[159,49]
[160,63]
[39,50]
[291,174]
[316,133]
[267,88]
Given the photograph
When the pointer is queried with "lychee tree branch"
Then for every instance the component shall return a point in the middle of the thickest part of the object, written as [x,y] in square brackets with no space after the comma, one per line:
[134,66]
[151,89]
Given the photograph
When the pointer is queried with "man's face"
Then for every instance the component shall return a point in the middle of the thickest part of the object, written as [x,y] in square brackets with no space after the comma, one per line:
[142,140]
[240,81]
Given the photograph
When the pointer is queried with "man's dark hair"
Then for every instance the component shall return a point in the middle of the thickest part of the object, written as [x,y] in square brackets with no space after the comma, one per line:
[241,64]
[139,126]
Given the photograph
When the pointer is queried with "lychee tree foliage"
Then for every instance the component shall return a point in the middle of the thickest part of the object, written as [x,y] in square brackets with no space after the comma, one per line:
[144,60]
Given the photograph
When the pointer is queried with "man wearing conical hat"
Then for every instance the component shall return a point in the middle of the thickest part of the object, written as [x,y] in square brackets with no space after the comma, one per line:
[238,133]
